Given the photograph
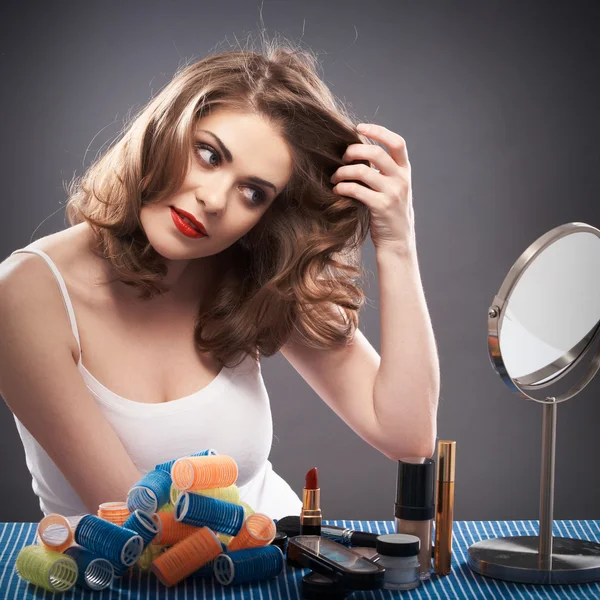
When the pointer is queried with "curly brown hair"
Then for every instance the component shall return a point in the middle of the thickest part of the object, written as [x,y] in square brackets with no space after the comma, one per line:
[298,271]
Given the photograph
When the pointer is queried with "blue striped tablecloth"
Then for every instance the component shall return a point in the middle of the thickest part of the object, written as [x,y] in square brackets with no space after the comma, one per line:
[461,583]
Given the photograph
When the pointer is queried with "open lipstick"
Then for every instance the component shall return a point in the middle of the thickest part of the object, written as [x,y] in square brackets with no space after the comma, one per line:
[310,515]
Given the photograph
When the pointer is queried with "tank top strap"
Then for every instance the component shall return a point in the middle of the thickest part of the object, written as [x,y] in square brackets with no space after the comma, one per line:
[63,290]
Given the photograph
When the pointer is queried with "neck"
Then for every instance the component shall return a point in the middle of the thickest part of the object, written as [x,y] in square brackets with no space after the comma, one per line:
[187,279]
[176,273]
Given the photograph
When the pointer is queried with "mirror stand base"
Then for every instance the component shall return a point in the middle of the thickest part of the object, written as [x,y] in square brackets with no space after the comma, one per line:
[517,559]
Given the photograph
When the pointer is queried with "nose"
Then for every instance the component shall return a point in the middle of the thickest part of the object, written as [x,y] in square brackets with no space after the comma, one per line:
[213,197]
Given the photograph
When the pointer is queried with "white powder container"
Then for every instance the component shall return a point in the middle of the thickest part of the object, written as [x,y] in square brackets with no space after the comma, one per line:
[399,554]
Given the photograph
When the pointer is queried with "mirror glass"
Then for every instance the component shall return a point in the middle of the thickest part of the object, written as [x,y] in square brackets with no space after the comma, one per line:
[553,307]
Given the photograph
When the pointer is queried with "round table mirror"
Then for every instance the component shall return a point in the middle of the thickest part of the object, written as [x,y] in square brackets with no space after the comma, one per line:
[544,342]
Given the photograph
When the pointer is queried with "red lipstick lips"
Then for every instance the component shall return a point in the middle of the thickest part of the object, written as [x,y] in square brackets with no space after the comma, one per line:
[310,515]
[187,224]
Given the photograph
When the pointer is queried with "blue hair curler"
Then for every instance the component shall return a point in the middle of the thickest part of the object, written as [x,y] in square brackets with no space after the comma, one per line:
[250,564]
[202,511]
[150,492]
[119,545]
[95,571]
[142,523]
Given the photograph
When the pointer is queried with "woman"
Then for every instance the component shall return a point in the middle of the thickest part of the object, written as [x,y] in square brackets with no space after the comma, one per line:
[223,225]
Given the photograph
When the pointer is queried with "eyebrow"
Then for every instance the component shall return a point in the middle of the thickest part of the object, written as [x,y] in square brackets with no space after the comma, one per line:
[229,158]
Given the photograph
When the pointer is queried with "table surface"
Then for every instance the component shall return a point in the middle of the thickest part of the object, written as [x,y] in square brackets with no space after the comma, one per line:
[461,583]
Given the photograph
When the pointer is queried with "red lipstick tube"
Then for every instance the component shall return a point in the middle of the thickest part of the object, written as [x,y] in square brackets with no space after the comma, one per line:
[310,515]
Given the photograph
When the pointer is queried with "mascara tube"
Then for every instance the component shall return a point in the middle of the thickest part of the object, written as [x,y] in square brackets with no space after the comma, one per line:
[444,511]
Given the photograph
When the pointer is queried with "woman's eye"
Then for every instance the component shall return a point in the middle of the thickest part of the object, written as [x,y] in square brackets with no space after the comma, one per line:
[209,150]
[261,196]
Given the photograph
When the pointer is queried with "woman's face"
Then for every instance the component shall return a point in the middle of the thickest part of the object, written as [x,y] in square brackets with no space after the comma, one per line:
[229,186]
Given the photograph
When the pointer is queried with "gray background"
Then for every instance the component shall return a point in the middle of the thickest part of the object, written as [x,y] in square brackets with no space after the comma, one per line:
[498,103]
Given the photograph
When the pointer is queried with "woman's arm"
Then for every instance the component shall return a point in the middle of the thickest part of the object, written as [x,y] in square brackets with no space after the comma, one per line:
[407,383]
[389,401]
[42,386]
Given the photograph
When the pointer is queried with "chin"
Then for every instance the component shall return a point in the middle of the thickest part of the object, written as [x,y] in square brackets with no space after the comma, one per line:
[169,251]
[170,248]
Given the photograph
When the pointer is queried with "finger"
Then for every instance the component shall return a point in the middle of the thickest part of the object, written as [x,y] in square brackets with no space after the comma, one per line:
[375,155]
[359,192]
[362,172]
[395,143]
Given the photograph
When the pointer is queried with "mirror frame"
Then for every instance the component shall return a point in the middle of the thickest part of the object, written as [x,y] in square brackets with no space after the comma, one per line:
[572,357]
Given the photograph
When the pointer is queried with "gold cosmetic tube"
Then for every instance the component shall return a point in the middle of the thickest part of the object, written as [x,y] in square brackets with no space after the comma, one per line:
[444,509]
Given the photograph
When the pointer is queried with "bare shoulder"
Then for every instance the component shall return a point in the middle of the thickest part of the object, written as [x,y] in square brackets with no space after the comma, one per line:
[29,290]
[19,272]
[25,278]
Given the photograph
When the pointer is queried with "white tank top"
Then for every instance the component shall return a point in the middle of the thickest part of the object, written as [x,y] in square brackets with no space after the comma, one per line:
[231,414]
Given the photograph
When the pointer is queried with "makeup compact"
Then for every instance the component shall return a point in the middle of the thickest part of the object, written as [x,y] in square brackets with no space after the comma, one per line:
[415,505]
[318,587]
[346,569]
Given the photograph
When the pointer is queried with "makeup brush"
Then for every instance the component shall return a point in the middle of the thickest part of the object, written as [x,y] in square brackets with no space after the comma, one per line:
[290,525]
[348,537]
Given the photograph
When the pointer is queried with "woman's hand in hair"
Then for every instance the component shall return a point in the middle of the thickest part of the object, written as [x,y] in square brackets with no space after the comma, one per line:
[385,187]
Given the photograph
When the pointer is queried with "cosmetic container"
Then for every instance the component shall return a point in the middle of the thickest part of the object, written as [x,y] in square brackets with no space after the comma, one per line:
[399,554]
[415,505]
[281,541]
[444,509]
[318,587]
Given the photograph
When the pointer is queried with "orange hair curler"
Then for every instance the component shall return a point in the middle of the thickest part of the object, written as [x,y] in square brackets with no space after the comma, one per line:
[186,556]
[204,472]
[258,530]
[55,533]
[115,512]
[170,531]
